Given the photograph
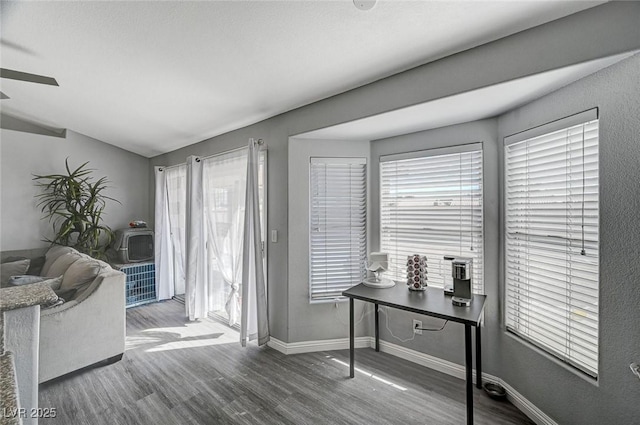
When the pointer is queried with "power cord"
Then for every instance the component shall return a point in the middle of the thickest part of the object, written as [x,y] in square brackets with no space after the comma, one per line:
[432,330]
[364,313]
[386,315]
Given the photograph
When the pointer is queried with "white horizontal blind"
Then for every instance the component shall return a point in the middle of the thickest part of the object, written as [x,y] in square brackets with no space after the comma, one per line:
[552,242]
[337,238]
[432,205]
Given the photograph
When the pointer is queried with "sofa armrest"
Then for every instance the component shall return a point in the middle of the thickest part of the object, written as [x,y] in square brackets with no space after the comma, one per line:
[9,400]
[80,333]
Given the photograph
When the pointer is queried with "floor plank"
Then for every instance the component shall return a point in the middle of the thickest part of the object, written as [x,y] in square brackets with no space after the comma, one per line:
[180,372]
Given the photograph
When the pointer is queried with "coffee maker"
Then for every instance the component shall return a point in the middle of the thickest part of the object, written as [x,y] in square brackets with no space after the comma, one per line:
[462,270]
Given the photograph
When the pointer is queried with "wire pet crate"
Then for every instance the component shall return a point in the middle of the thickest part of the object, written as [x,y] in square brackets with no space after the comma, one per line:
[140,284]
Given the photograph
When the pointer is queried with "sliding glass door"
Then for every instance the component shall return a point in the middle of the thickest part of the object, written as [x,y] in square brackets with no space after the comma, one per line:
[224,187]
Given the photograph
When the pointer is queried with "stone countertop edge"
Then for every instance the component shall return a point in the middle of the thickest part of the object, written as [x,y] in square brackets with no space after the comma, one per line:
[8,391]
[26,296]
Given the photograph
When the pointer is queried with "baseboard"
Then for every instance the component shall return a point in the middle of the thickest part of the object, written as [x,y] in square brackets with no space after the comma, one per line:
[322,345]
[435,363]
[525,406]
[423,359]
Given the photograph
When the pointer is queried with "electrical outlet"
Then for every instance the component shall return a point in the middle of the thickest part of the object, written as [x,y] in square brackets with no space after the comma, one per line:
[417,327]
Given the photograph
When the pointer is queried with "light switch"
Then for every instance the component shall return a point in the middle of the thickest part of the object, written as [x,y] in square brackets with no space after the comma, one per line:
[274,236]
[635,368]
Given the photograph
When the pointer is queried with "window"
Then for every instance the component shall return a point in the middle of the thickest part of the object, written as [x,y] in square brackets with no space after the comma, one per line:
[431,204]
[552,238]
[337,225]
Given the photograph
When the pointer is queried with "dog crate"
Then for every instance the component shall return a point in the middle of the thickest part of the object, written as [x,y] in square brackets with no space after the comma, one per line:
[140,285]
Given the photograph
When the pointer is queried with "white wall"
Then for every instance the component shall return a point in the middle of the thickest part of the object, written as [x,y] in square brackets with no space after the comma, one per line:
[559,391]
[597,32]
[25,154]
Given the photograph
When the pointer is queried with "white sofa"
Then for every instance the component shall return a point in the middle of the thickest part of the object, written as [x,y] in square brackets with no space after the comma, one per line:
[89,327]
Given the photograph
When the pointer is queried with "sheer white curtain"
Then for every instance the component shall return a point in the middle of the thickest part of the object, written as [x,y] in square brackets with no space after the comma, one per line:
[224,182]
[163,246]
[208,214]
[255,321]
[196,237]
[176,182]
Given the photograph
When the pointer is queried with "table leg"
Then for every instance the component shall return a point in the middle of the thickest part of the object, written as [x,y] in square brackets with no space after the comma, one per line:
[352,332]
[377,329]
[469,366]
[478,358]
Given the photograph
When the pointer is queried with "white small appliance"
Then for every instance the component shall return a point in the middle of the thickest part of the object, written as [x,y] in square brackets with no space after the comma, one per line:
[378,263]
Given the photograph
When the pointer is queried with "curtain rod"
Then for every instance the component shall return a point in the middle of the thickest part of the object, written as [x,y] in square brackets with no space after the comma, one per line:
[260,142]
[165,167]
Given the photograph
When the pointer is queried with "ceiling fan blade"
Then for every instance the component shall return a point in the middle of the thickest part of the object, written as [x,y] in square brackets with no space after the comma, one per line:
[4,96]
[25,76]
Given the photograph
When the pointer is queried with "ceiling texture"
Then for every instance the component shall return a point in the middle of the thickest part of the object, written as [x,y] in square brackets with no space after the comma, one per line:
[154,76]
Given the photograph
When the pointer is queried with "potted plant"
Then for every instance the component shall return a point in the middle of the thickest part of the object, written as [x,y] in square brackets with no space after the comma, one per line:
[74,203]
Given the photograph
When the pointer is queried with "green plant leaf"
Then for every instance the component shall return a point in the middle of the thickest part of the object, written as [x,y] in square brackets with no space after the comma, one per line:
[74,204]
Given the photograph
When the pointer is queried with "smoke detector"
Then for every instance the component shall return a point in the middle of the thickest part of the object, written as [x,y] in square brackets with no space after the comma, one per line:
[364,4]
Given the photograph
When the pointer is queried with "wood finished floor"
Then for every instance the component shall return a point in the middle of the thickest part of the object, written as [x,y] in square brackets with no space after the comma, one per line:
[178,372]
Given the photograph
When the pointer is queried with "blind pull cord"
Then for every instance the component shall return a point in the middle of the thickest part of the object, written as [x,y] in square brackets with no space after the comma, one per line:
[583,252]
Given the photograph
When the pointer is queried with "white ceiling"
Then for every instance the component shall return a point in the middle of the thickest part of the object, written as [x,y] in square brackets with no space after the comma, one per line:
[152,77]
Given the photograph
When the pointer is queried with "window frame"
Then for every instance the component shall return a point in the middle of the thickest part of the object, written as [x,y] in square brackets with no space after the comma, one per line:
[532,133]
[336,160]
[446,150]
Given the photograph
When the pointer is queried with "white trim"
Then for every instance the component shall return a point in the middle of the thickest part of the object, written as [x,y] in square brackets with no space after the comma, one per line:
[550,127]
[524,405]
[338,160]
[448,150]
[321,345]
[435,363]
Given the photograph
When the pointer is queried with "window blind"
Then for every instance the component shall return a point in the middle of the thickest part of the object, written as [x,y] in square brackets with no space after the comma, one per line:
[431,204]
[552,242]
[337,239]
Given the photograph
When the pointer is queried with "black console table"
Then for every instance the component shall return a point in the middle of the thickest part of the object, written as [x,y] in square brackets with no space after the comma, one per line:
[432,302]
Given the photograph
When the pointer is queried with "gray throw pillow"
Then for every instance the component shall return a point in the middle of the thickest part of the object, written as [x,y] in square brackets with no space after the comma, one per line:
[25,280]
[82,271]
[14,268]
[52,255]
[35,267]
[62,263]
[28,279]
[13,258]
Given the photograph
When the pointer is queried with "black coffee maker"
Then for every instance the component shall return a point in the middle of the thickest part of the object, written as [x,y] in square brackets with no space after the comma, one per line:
[461,270]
